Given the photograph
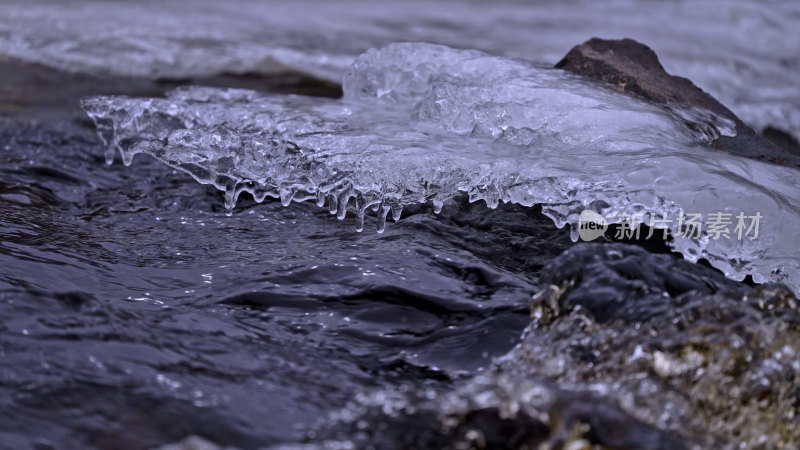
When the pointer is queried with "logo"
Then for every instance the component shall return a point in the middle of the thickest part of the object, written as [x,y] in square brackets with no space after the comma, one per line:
[591,225]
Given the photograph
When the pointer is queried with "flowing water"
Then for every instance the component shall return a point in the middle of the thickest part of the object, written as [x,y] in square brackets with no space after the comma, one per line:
[140,307]
[135,309]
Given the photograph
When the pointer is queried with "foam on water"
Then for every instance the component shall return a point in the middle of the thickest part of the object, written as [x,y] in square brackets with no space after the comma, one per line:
[424,123]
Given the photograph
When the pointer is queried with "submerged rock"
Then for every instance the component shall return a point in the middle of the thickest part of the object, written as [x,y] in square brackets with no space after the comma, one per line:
[634,68]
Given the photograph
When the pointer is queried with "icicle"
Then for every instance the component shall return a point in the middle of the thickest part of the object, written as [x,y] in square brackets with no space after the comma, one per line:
[320,198]
[344,199]
[332,203]
[573,232]
[382,213]
[360,220]
[259,195]
[111,152]
[437,206]
[286,196]
[127,157]
[230,196]
[397,212]
[492,202]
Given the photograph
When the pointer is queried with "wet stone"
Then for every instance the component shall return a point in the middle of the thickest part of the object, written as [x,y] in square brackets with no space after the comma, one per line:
[680,346]
[634,68]
[672,357]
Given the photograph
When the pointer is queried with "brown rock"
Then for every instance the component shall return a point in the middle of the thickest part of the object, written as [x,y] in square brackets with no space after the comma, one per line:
[782,139]
[634,69]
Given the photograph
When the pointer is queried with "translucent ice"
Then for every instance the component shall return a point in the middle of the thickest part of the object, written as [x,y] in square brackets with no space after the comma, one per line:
[422,122]
[746,54]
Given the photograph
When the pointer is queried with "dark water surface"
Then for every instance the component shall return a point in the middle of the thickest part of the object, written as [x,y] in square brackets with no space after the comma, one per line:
[134,312]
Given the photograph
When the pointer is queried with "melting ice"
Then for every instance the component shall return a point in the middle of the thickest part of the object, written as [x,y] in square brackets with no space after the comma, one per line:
[424,123]
[744,53]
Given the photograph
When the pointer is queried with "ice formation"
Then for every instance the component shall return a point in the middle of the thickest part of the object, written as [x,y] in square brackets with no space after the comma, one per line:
[744,53]
[424,123]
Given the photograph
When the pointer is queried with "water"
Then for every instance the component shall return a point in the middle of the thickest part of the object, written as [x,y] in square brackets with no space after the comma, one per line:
[136,312]
[424,123]
[626,349]
[106,283]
